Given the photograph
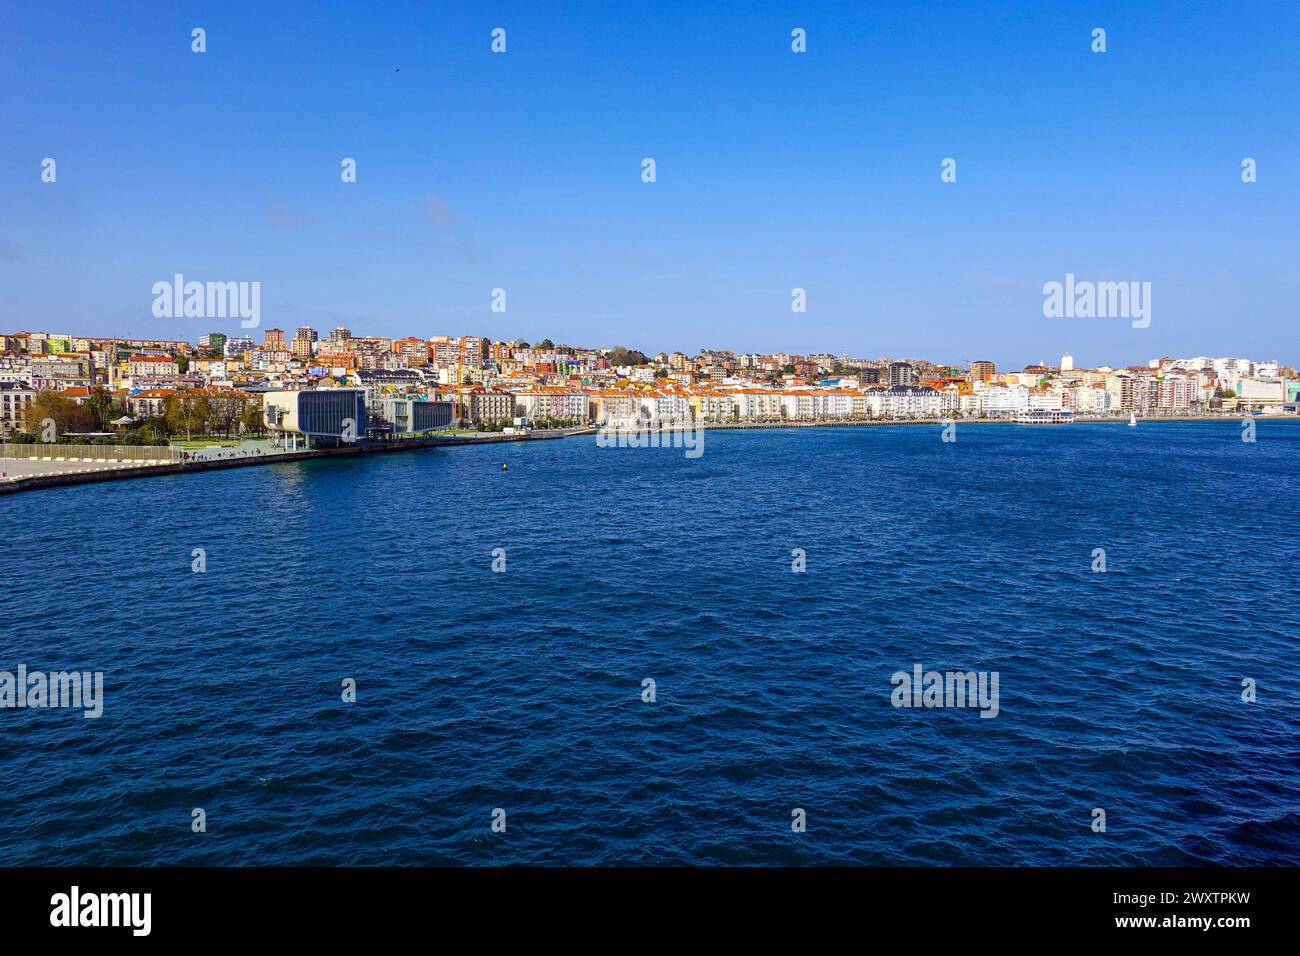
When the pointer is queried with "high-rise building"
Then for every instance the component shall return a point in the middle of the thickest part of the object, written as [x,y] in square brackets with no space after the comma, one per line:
[274,340]
[1067,363]
[982,370]
[340,334]
[413,351]
[305,332]
[474,349]
[902,373]
[212,340]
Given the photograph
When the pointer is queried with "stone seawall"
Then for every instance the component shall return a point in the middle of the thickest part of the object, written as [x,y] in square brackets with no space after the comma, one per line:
[34,482]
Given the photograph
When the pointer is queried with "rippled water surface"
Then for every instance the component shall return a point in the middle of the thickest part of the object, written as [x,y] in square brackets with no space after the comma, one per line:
[522,690]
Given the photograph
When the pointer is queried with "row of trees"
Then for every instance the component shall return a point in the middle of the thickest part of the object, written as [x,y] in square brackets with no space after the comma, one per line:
[497,426]
[200,413]
[52,415]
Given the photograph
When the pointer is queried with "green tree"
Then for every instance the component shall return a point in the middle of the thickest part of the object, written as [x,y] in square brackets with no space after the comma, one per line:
[186,412]
[54,406]
[251,419]
[100,404]
[624,356]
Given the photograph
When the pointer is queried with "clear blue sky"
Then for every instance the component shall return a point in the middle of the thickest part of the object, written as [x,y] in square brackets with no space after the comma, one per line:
[775,170]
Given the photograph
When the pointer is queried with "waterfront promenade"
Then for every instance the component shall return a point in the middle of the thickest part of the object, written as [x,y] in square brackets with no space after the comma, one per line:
[32,474]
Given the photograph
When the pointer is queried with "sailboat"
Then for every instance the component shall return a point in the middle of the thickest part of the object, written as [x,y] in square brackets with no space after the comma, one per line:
[1132,420]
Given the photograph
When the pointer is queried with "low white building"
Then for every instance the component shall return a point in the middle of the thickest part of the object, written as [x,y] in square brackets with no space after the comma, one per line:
[1000,401]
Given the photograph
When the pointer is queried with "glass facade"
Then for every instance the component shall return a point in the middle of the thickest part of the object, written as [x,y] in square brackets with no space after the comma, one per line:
[326,412]
[430,416]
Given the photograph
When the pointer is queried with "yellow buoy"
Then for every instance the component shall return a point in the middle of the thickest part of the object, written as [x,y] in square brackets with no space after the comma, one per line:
[503,466]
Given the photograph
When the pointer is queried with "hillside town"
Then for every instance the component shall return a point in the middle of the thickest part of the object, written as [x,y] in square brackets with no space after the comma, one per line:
[145,391]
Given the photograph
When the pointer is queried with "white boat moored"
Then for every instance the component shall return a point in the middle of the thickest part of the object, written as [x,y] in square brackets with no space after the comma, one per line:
[1044,416]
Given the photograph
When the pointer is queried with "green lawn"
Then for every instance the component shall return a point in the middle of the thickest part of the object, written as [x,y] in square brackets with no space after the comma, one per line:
[196,445]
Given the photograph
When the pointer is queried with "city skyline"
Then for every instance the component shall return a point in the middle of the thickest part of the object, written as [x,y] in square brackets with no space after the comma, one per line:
[775,170]
[273,337]
[144,387]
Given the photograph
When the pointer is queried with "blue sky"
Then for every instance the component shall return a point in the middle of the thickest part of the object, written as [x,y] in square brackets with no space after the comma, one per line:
[775,170]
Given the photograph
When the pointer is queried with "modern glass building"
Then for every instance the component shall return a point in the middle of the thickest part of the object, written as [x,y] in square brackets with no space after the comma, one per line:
[408,416]
[322,413]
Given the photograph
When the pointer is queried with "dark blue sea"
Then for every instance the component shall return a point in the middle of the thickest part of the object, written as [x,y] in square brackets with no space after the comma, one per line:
[522,690]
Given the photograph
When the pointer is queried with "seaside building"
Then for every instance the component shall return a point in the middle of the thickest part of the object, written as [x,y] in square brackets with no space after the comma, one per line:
[1001,401]
[903,401]
[1257,392]
[482,405]
[407,416]
[1177,392]
[541,403]
[328,415]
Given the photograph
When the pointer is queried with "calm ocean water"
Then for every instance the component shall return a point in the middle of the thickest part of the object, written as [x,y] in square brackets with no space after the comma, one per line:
[522,690]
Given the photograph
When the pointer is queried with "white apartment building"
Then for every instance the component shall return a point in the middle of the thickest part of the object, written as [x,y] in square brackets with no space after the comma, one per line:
[999,401]
[617,407]
[757,405]
[665,406]
[903,401]
[716,406]
[551,403]
[1091,400]
[1178,392]
[809,405]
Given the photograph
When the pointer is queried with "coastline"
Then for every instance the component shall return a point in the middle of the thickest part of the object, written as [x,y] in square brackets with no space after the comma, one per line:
[96,475]
[36,482]
[1108,420]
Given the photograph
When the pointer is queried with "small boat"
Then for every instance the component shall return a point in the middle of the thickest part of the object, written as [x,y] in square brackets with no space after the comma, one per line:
[1132,420]
[1044,416]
